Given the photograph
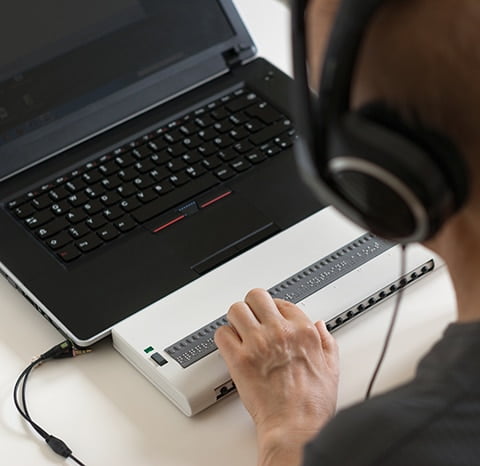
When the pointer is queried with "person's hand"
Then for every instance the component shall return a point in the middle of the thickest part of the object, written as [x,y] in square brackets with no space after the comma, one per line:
[285,369]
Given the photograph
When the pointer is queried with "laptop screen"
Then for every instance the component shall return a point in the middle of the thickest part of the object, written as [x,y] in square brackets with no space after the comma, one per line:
[60,59]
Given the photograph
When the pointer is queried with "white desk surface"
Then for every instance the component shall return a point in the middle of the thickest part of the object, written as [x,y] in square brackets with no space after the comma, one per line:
[110,415]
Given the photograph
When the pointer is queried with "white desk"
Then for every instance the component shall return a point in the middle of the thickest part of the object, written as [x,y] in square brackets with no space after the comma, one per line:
[110,415]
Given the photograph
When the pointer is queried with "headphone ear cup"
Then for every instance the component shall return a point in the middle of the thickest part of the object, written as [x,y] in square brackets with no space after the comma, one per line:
[443,153]
[394,183]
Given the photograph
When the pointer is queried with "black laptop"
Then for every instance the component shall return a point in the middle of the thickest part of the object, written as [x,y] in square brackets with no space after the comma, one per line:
[142,145]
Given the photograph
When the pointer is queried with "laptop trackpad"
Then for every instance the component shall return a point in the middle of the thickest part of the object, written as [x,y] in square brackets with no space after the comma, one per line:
[218,233]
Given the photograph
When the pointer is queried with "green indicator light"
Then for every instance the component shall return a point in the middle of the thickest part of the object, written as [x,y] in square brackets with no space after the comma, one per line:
[148,350]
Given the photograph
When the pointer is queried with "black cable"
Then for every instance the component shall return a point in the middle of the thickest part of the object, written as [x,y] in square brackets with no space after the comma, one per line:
[392,323]
[62,350]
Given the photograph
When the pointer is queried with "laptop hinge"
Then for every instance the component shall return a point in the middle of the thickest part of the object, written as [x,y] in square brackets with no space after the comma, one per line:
[238,54]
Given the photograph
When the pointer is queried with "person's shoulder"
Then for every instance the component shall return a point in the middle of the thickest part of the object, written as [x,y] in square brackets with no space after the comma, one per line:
[364,431]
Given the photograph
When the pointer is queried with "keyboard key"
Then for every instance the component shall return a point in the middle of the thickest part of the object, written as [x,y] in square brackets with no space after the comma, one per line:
[75,185]
[192,142]
[128,174]
[228,154]
[164,187]
[58,193]
[78,231]
[125,160]
[69,253]
[271,150]
[59,241]
[114,212]
[109,168]
[270,132]
[93,207]
[24,211]
[110,198]
[156,145]
[179,179]
[223,141]
[127,190]
[196,170]
[161,158]
[223,126]
[176,150]
[147,196]
[125,224]
[240,119]
[130,204]
[51,228]
[192,157]
[42,202]
[145,165]
[89,242]
[78,199]
[207,149]
[96,222]
[95,190]
[143,181]
[284,142]
[224,173]
[243,147]
[219,113]
[60,208]
[256,157]
[176,165]
[17,202]
[38,219]
[240,165]
[242,102]
[264,112]
[112,182]
[239,134]
[212,162]
[92,176]
[254,126]
[145,151]
[108,233]
[204,121]
[160,173]
[76,215]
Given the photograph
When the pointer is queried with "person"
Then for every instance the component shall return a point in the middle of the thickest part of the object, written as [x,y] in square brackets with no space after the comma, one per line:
[423,58]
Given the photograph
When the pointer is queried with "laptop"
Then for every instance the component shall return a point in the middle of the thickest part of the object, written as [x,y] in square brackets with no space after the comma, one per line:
[142,145]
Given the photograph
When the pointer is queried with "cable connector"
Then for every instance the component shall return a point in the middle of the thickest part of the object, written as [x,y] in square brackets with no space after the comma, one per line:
[66,349]
[58,446]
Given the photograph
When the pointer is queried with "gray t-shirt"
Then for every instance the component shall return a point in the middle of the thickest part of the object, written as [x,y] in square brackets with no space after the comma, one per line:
[432,421]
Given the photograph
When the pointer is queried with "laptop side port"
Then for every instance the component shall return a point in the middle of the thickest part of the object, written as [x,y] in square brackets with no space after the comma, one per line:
[223,390]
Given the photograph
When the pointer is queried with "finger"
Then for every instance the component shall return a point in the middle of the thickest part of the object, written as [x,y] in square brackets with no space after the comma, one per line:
[241,317]
[227,340]
[329,343]
[262,305]
[290,311]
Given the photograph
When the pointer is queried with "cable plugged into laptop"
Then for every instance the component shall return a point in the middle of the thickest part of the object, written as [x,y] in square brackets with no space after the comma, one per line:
[66,349]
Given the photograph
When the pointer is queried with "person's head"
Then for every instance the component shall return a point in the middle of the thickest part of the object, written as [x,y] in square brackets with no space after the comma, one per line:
[421,58]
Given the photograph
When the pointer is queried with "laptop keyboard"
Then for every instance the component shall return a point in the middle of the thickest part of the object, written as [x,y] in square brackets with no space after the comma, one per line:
[156,180]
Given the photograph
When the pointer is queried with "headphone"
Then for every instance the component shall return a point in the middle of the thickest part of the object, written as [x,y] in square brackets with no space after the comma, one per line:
[399,180]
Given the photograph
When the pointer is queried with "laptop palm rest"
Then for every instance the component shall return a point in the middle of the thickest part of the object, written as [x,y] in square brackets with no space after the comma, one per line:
[221,231]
